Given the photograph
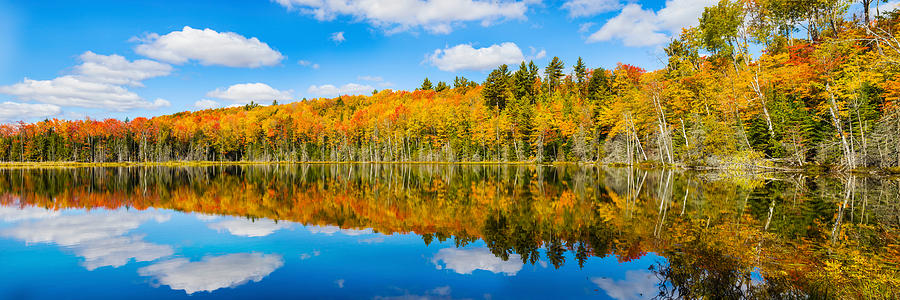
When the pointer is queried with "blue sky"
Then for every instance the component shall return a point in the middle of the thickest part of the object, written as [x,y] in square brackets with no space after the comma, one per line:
[118,59]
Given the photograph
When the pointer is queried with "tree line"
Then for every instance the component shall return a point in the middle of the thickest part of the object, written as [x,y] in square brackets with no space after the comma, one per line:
[822,91]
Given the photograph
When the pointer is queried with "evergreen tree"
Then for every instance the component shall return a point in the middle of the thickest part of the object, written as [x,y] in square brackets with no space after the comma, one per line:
[441,86]
[496,87]
[554,72]
[580,76]
[463,85]
[598,85]
[522,84]
[426,85]
[533,74]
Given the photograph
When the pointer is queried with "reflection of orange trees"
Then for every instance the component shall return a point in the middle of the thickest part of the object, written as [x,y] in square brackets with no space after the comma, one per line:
[714,231]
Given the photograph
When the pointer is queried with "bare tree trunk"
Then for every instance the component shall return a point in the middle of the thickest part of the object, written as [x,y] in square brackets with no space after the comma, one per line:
[832,108]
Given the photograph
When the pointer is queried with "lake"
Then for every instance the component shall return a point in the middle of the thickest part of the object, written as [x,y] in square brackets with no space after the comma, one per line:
[392,231]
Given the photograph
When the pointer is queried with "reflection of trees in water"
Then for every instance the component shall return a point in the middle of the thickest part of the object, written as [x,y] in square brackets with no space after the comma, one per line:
[714,228]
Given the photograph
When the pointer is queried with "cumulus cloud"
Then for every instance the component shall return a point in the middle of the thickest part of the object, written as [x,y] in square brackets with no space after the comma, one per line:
[205,217]
[307,63]
[374,240]
[118,251]
[245,92]
[206,104]
[97,237]
[96,83]
[347,89]
[376,79]
[585,27]
[76,91]
[639,27]
[464,261]
[208,47]
[535,54]
[465,57]
[370,78]
[331,230]
[305,256]
[213,272]
[115,69]
[11,214]
[441,292]
[248,228]
[636,285]
[338,37]
[13,111]
[435,16]
[587,8]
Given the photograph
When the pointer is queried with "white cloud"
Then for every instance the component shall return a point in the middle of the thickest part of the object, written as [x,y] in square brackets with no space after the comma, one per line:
[307,63]
[435,16]
[376,79]
[347,89]
[587,8]
[208,47]
[13,111]
[340,283]
[370,78]
[118,251]
[464,261]
[634,26]
[331,229]
[585,27]
[678,14]
[537,54]
[71,230]
[441,290]
[248,228]
[338,37]
[72,90]
[11,214]
[115,69]
[374,240]
[636,285]
[639,27]
[97,237]
[96,83]
[245,92]
[213,272]
[205,217]
[206,104]
[465,57]
[305,256]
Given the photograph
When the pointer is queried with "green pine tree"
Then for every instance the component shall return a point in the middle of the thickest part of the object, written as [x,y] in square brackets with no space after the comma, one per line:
[554,72]
[441,86]
[495,87]
[426,85]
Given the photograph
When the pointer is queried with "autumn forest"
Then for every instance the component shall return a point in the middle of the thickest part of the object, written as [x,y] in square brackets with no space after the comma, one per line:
[758,84]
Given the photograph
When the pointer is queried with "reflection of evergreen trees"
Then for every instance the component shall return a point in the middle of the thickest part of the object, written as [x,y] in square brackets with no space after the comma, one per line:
[524,236]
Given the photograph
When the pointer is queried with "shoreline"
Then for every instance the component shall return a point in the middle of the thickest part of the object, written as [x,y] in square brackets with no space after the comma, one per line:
[816,170]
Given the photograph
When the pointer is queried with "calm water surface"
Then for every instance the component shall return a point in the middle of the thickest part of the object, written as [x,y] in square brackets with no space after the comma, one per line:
[443,232]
